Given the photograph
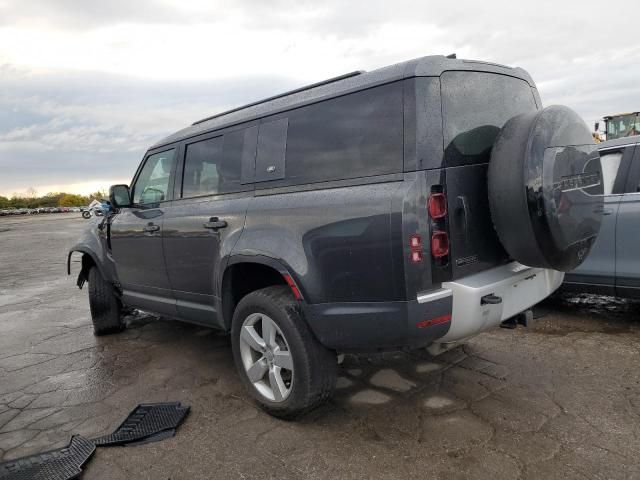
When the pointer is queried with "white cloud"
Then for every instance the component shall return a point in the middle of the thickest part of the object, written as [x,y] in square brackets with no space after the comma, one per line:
[85,79]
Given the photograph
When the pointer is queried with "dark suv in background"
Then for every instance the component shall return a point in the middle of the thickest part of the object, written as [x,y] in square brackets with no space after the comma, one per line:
[412,206]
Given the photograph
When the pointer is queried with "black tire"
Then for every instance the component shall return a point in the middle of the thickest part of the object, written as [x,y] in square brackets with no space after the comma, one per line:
[314,366]
[106,309]
[86,214]
[545,188]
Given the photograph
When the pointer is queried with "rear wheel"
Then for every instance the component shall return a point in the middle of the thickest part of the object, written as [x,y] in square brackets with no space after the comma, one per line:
[283,366]
[86,214]
[106,309]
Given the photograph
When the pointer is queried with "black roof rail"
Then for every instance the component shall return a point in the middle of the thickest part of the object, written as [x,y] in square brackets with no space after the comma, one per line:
[290,92]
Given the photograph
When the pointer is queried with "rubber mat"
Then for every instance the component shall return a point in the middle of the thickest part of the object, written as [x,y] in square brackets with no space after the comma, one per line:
[146,421]
[61,464]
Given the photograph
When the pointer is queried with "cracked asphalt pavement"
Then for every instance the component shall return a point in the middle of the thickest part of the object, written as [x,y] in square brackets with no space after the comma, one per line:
[558,401]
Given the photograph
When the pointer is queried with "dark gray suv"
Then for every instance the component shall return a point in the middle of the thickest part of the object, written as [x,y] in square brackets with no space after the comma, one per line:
[412,206]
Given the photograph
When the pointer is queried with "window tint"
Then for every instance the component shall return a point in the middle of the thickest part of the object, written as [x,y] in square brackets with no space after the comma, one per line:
[475,107]
[153,182]
[213,166]
[356,135]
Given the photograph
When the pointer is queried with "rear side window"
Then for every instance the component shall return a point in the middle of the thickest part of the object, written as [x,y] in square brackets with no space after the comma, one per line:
[213,166]
[356,135]
[475,106]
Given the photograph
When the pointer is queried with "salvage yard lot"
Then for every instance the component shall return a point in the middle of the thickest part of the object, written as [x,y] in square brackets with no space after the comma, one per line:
[561,400]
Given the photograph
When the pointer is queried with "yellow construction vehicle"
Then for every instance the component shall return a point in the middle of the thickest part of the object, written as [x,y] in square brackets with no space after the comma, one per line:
[620,125]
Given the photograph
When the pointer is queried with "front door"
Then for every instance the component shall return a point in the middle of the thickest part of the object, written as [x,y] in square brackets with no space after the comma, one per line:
[135,236]
[205,220]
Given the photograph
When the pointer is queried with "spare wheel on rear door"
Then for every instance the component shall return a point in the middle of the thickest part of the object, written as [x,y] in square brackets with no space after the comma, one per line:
[545,188]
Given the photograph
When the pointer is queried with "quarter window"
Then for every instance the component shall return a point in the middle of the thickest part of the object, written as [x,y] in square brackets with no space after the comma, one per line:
[356,135]
[152,184]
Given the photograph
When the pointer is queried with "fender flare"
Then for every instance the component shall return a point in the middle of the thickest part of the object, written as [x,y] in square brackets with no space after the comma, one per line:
[267,261]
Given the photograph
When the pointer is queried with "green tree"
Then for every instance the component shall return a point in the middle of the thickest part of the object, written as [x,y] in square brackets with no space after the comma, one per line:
[72,200]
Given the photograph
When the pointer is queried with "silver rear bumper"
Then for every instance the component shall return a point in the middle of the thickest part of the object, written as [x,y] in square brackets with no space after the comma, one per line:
[518,286]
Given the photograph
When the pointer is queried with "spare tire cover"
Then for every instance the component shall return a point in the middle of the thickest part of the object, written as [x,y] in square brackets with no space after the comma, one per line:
[545,188]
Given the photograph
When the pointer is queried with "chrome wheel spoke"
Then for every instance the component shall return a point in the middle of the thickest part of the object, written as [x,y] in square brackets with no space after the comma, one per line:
[277,384]
[257,370]
[283,359]
[251,338]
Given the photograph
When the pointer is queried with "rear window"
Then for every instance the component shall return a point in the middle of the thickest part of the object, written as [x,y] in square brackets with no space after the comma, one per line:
[475,106]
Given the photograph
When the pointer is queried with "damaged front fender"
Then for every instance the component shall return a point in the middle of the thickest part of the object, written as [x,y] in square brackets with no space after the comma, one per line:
[92,244]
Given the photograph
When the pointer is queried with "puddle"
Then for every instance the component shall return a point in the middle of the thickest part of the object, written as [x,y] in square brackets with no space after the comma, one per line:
[565,312]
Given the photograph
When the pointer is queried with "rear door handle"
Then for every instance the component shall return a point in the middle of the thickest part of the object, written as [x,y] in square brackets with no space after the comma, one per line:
[151,228]
[607,211]
[215,223]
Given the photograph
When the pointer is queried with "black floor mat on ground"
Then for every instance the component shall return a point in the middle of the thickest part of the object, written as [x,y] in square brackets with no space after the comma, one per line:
[148,422]
[61,464]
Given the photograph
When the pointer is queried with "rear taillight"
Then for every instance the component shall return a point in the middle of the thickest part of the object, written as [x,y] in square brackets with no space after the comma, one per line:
[437,205]
[439,244]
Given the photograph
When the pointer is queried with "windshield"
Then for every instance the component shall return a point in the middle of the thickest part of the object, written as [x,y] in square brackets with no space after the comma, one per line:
[623,126]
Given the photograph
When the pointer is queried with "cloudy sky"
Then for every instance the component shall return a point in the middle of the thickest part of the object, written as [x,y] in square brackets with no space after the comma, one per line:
[87,85]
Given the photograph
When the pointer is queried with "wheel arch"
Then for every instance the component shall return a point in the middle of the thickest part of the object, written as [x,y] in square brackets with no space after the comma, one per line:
[244,274]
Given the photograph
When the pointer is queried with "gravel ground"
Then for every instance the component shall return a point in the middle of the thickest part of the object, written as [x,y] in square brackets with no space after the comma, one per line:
[557,401]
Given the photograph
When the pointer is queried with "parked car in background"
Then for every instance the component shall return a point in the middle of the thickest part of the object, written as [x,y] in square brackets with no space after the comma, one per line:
[353,215]
[613,265]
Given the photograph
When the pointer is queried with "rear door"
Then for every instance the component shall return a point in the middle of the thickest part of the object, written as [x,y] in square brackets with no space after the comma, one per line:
[475,106]
[599,268]
[206,218]
[135,236]
[627,235]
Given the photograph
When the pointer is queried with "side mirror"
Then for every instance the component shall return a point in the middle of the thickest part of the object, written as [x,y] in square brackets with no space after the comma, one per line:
[597,126]
[119,196]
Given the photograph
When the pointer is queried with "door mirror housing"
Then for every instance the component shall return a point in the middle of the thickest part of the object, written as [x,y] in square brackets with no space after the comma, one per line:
[120,196]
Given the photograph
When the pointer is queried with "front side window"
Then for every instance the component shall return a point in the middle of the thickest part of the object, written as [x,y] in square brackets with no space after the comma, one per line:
[152,185]
[475,106]
[610,162]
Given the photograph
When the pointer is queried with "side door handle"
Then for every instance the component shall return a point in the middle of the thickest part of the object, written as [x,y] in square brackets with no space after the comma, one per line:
[607,211]
[214,223]
[151,228]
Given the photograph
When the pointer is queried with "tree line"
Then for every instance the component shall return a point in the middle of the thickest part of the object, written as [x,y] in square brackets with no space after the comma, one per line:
[58,199]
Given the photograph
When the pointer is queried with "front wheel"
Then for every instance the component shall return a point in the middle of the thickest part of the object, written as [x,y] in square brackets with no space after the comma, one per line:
[86,214]
[106,309]
[286,370]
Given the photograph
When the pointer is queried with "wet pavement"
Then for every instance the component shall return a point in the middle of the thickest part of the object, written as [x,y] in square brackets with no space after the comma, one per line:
[558,401]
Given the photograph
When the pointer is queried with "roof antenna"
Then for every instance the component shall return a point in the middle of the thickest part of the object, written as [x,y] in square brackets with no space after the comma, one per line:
[452,55]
